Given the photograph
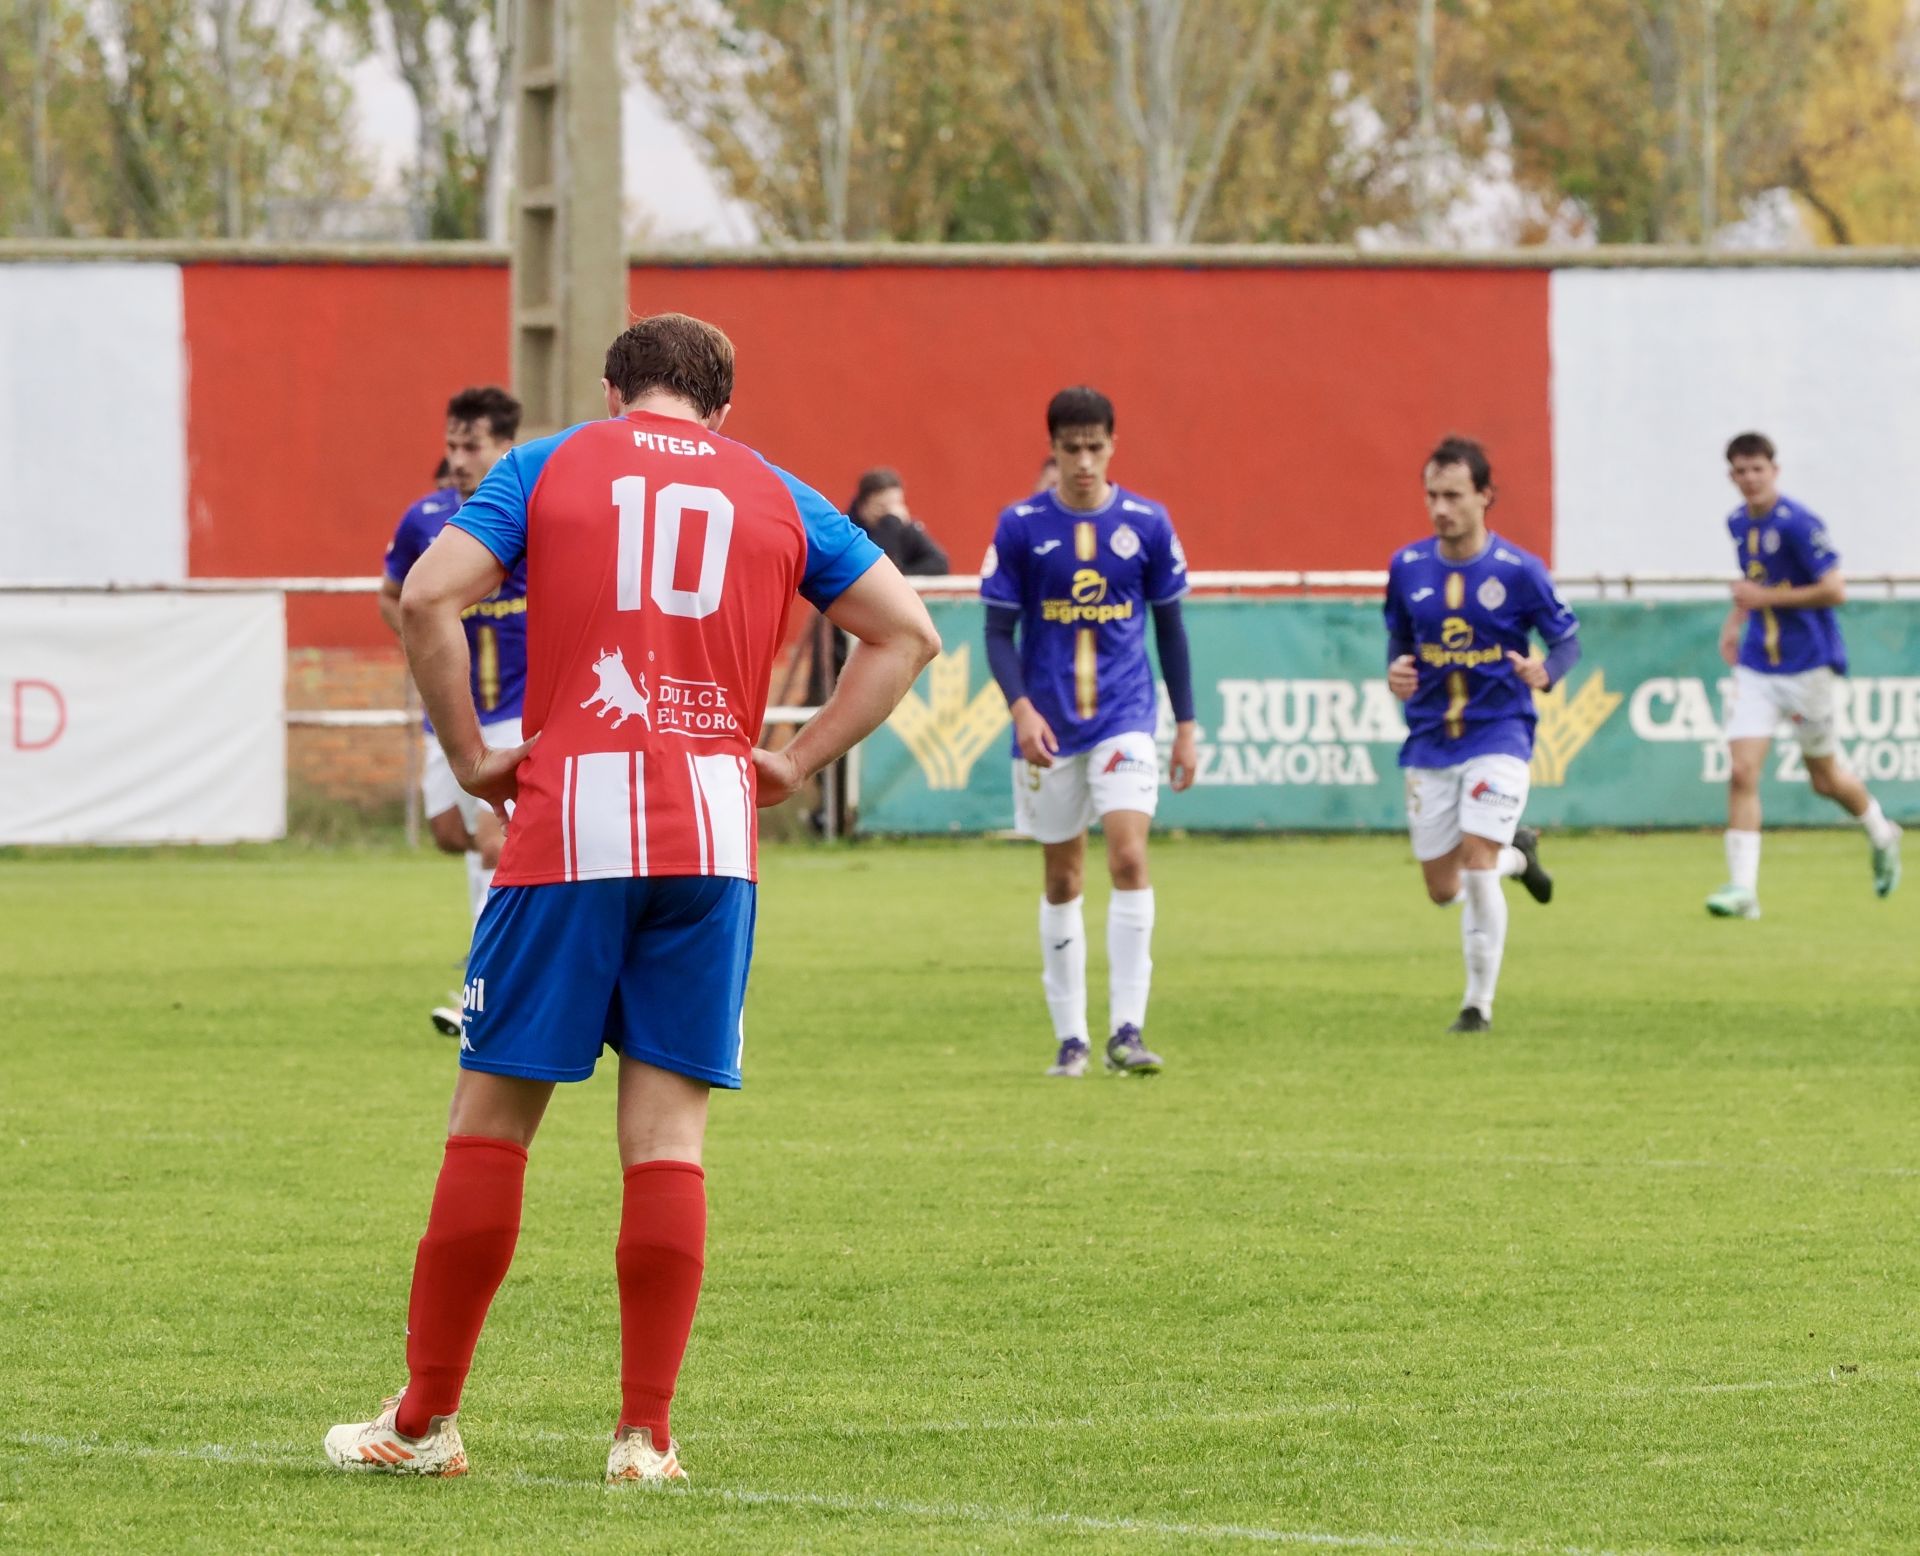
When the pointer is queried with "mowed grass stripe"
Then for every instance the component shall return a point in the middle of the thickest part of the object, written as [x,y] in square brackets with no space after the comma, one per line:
[1635,1273]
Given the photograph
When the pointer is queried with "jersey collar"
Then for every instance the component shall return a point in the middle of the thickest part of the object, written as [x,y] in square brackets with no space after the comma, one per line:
[1114,495]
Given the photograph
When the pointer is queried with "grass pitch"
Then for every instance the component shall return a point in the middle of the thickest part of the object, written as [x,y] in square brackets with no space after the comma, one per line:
[1637,1273]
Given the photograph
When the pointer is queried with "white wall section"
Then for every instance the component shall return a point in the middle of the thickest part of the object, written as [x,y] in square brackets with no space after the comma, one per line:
[1654,370]
[93,425]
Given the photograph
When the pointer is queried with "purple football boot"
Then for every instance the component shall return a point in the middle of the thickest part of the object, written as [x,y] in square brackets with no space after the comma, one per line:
[1128,1055]
[1072,1059]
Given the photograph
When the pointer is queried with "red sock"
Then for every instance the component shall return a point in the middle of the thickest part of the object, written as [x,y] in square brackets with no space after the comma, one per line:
[660,1256]
[462,1259]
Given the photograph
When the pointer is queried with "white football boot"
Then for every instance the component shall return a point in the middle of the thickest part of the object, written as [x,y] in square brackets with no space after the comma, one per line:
[375,1446]
[634,1459]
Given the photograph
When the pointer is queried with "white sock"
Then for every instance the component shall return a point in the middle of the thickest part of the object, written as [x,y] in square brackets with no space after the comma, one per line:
[1512,862]
[1880,831]
[479,879]
[1483,936]
[1129,957]
[1743,859]
[1063,966]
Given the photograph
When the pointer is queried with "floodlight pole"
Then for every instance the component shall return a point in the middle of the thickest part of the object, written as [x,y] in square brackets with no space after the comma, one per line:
[569,264]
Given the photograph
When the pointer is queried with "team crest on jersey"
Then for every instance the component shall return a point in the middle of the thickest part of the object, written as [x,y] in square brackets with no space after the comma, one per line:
[1772,543]
[1492,594]
[1125,542]
[990,563]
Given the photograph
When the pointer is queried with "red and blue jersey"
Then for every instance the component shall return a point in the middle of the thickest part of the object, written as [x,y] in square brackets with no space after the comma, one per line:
[1083,582]
[496,627]
[1459,620]
[661,561]
[1787,545]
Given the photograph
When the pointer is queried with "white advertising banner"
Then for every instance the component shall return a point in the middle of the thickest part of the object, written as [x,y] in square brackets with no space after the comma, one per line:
[144,718]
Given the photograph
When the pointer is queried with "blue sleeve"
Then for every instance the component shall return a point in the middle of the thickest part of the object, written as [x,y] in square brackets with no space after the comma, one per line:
[1000,576]
[838,550]
[1813,547]
[1166,575]
[1548,614]
[496,515]
[1399,623]
[405,547]
[1176,660]
[1561,658]
[1003,655]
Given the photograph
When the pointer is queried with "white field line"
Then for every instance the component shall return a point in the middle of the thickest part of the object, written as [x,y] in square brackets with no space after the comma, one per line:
[278,1456]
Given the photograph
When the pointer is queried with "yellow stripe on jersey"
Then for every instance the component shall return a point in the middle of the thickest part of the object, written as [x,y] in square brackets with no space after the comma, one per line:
[1753,542]
[489,668]
[1456,591]
[1456,699]
[1086,540]
[1086,670]
[1771,634]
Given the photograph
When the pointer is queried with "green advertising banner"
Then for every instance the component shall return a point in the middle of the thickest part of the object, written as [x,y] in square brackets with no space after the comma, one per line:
[1298,731]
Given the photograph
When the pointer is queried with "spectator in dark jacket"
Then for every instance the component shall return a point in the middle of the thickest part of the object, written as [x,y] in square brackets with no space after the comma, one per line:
[879,507]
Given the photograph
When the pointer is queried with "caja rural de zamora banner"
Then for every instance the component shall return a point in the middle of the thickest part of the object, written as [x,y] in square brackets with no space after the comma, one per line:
[1299,732]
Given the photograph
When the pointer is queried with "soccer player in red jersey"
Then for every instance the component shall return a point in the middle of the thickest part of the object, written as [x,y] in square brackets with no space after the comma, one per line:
[661,560]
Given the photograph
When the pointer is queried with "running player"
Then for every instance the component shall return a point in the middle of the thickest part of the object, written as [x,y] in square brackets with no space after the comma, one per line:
[481,426]
[1075,569]
[1784,645]
[1460,608]
[664,559]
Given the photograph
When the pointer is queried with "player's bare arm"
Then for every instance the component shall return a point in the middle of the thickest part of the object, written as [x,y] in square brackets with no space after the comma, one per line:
[456,571]
[894,640]
[388,600]
[1825,592]
[1731,631]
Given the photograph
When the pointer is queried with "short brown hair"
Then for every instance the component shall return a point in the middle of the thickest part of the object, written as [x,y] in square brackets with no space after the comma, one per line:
[684,356]
[1752,445]
[490,404]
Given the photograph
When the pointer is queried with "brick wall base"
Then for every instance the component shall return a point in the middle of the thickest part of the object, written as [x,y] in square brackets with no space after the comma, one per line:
[366,768]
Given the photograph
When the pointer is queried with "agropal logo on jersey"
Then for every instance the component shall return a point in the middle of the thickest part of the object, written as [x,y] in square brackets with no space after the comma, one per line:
[1089,605]
[697,710]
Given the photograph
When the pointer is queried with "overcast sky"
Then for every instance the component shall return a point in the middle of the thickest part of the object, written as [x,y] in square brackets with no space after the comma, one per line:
[664,174]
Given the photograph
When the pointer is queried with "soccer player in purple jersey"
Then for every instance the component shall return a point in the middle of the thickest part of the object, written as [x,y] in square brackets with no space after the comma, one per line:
[481,426]
[1784,645]
[1461,610]
[1074,571]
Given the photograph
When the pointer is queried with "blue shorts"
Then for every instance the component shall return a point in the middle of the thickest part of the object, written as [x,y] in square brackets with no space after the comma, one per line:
[652,967]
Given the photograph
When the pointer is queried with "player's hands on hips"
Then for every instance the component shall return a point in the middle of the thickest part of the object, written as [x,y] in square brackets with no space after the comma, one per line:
[778,777]
[1403,677]
[1529,668]
[1037,742]
[1751,596]
[1184,761]
[494,776]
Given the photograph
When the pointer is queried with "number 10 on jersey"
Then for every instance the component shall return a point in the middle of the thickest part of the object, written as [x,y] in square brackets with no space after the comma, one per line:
[670,507]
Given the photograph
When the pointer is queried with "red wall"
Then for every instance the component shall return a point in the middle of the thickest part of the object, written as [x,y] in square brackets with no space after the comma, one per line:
[1281,414]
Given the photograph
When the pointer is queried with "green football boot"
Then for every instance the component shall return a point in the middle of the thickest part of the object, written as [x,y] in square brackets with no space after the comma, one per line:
[1734,902]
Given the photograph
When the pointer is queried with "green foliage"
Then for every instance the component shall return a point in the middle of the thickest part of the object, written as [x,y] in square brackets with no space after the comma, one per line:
[1633,1274]
[167,118]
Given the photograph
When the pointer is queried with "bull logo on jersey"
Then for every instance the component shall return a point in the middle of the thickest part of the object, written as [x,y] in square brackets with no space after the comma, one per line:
[617,692]
[1456,633]
[947,731]
[1566,724]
